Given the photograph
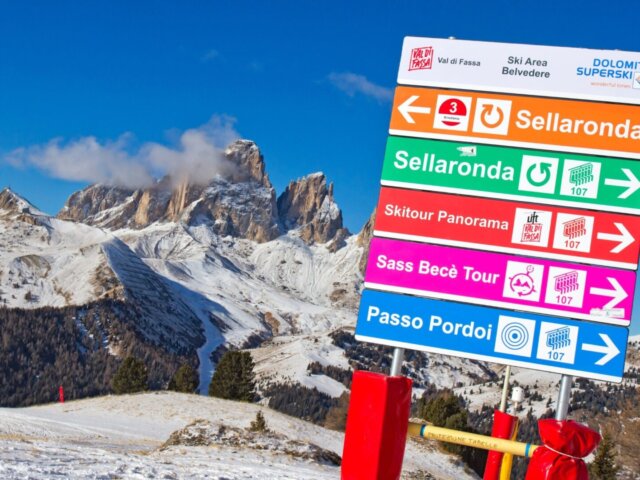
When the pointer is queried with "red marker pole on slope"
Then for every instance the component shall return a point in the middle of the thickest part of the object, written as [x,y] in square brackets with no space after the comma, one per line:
[61,394]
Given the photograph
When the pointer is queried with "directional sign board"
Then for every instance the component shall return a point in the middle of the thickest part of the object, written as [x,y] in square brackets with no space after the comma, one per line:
[569,125]
[530,69]
[576,291]
[513,174]
[599,238]
[510,338]
[500,150]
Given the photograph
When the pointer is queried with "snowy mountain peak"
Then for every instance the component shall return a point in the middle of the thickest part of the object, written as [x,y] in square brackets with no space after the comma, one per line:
[242,203]
[308,204]
[249,162]
[12,203]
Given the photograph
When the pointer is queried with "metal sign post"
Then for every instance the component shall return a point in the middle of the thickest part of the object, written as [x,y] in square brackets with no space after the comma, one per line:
[396,362]
[564,397]
[505,389]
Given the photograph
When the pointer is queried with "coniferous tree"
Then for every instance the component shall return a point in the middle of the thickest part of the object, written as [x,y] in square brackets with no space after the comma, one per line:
[185,379]
[441,408]
[234,377]
[337,416]
[444,409]
[131,377]
[604,465]
[46,347]
[259,424]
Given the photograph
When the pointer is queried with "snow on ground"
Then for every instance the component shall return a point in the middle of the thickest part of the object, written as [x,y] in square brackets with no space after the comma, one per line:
[286,358]
[545,383]
[51,262]
[280,287]
[119,437]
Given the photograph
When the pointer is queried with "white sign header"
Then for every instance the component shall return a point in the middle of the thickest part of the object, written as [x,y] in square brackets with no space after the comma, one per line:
[601,75]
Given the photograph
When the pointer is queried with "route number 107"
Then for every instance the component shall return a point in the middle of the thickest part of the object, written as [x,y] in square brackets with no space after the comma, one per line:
[572,243]
[556,356]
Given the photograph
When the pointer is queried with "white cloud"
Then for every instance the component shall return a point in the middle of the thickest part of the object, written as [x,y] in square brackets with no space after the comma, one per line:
[210,56]
[198,156]
[352,84]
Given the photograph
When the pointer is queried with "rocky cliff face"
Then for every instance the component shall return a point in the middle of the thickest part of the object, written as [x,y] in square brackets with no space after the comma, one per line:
[12,203]
[364,240]
[93,206]
[308,204]
[241,204]
[8,200]
[248,163]
[13,206]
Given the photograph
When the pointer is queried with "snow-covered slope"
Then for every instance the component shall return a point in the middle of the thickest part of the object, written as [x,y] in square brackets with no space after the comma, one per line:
[45,261]
[197,289]
[225,264]
[49,262]
[120,437]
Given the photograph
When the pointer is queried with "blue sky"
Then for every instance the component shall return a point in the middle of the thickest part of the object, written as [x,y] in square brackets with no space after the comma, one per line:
[310,82]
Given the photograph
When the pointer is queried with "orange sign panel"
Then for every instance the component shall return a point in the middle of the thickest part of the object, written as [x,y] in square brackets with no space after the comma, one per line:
[570,125]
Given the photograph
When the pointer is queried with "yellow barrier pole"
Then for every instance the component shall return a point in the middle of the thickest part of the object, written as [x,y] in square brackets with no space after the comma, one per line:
[474,440]
[507,460]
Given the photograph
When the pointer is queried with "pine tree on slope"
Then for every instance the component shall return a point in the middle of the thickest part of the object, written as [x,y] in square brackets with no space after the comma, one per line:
[131,377]
[234,377]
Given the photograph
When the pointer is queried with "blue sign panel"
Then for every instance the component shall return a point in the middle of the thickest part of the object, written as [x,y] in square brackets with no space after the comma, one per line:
[506,337]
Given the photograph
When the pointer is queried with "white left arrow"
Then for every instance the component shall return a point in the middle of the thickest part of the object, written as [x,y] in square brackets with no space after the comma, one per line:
[609,349]
[624,239]
[617,295]
[632,184]
[407,108]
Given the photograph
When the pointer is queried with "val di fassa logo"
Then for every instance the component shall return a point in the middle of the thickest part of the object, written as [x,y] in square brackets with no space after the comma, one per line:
[493,116]
[421,58]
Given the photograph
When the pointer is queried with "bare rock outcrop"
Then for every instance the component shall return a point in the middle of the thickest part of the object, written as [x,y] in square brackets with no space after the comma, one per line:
[308,204]
[94,206]
[364,240]
[241,204]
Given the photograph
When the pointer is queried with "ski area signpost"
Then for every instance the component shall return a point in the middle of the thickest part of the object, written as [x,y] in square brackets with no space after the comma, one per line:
[548,123]
[511,179]
[507,229]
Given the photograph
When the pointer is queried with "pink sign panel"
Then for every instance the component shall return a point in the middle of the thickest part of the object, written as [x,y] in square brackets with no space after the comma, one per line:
[570,290]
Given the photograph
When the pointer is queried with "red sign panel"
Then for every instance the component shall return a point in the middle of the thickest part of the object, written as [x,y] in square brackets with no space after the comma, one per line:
[599,238]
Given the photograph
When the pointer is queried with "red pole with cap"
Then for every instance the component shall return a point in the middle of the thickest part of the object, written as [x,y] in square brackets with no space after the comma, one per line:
[377,424]
[61,394]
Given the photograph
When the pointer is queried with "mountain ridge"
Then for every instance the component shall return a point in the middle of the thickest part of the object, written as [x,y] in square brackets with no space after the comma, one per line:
[217,257]
[241,202]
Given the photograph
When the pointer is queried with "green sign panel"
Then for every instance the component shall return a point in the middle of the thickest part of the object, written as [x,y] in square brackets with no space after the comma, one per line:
[513,173]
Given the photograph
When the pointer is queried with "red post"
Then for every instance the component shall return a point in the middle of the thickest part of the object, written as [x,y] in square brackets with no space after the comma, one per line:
[61,394]
[377,424]
[503,427]
[566,443]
